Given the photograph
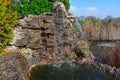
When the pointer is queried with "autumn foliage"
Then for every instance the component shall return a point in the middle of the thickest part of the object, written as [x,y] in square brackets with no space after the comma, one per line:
[115,57]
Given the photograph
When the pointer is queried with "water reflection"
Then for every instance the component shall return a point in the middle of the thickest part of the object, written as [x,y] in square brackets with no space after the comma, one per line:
[107,44]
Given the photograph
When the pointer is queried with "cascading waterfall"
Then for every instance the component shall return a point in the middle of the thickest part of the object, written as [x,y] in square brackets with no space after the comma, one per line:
[79,27]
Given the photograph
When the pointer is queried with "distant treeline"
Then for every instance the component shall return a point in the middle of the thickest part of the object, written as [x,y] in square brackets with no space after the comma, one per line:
[92,21]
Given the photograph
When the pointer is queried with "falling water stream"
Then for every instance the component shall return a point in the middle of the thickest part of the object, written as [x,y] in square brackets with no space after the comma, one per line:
[79,27]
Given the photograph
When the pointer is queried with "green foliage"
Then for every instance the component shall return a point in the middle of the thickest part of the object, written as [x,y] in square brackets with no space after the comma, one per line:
[33,7]
[85,48]
[36,6]
[7,21]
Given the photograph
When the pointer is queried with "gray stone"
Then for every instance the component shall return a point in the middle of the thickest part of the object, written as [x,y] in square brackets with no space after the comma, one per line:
[10,68]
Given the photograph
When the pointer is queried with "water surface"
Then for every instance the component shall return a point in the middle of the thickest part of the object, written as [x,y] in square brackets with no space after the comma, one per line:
[102,50]
[66,71]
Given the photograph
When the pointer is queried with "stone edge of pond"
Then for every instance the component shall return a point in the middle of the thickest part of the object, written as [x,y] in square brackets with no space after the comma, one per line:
[104,68]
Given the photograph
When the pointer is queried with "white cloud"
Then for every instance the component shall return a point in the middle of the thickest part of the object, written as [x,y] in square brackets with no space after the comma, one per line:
[92,9]
[87,11]
[73,9]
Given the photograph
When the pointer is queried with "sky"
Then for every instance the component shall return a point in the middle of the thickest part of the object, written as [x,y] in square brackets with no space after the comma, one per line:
[97,8]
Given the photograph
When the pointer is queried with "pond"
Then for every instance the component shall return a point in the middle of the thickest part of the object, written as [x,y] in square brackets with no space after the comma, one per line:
[66,71]
[106,52]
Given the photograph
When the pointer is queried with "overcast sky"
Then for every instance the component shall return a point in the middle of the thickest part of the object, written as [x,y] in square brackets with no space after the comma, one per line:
[98,8]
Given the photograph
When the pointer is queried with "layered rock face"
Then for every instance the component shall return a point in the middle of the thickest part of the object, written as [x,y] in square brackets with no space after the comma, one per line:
[49,33]
[38,38]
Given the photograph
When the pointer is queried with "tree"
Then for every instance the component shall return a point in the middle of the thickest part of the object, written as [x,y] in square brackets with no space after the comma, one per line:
[7,21]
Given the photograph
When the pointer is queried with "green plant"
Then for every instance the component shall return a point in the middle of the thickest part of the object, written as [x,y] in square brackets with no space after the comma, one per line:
[32,7]
[85,48]
[24,7]
[7,21]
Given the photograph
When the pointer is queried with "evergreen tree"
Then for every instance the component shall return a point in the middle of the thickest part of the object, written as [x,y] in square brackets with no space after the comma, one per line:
[7,21]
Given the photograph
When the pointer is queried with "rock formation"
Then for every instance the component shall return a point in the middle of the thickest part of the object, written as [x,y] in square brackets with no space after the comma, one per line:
[46,37]
[12,67]
[48,33]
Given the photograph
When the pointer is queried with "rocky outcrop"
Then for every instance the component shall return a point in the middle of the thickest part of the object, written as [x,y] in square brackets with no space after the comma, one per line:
[12,67]
[48,33]
[39,38]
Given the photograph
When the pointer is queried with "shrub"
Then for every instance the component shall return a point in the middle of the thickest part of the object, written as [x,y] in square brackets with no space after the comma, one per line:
[32,7]
[24,7]
[7,21]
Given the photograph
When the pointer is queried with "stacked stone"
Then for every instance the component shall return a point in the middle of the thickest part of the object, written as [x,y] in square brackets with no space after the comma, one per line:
[39,35]
[113,71]
[64,33]
[12,67]
[46,33]
[35,33]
